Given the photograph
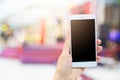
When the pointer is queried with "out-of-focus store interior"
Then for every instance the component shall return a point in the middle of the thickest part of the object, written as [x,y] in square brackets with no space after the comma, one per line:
[32,34]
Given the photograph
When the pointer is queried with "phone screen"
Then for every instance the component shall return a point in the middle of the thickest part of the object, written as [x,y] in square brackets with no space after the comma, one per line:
[83,42]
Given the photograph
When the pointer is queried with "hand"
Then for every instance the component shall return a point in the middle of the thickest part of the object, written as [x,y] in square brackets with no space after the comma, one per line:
[64,69]
[78,71]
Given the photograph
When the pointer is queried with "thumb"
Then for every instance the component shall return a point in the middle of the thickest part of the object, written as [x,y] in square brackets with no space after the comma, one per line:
[66,44]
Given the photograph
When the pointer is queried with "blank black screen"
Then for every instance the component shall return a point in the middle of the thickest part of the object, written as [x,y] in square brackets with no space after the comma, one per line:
[83,40]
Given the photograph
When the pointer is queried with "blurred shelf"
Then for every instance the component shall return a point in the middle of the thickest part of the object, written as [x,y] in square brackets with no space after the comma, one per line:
[41,54]
[34,53]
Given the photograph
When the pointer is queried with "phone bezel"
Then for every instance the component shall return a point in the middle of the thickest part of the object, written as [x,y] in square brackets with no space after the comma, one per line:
[83,17]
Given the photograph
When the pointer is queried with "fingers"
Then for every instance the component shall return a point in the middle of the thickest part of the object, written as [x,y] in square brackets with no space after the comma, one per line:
[99,48]
[98,58]
[98,41]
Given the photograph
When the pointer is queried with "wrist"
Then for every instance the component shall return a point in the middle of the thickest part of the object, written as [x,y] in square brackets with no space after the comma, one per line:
[73,78]
[60,76]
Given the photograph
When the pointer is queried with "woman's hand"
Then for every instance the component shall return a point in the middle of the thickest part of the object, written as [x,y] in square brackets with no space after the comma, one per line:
[64,69]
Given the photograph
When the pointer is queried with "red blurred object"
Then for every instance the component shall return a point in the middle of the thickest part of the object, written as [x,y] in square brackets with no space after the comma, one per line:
[43,22]
[111,51]
[82,9]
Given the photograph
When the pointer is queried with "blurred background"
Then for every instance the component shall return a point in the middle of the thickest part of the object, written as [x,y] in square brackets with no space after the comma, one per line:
[32,34]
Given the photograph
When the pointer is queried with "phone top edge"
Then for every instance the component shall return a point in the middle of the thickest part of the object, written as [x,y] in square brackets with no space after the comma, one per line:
[82,16]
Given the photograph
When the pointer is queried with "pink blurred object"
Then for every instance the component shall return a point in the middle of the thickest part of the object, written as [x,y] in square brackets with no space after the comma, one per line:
[34,53]
[41,54]
[9,52]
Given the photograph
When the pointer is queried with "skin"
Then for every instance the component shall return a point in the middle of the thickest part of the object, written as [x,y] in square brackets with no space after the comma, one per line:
[64,70]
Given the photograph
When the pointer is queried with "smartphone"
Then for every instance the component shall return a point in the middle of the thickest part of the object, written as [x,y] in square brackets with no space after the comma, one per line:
[83,40]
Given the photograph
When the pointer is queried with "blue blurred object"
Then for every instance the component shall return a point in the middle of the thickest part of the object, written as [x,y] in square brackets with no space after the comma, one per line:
[114,36]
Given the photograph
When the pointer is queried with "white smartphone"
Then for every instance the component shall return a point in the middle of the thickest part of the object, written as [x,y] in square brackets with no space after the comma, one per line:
[83,40]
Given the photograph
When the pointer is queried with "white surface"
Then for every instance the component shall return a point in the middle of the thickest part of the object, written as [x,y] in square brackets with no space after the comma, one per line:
[11,69]
[103,73]
[10,8]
